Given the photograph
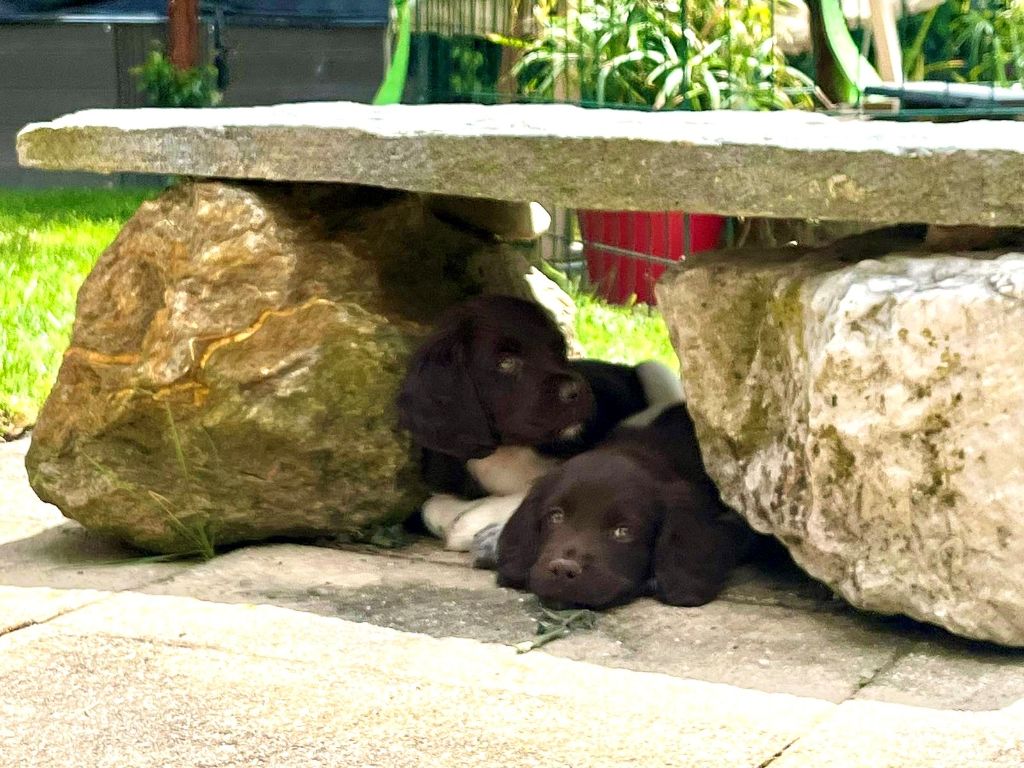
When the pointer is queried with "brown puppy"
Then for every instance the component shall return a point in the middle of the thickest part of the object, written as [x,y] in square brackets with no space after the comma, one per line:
[636,515]
[495,374]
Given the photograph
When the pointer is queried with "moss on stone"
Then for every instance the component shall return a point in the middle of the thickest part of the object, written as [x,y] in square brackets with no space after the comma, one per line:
[842,460]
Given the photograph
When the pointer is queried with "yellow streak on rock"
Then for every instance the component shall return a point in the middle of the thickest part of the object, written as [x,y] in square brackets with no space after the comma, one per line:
[101,358]
[244,334]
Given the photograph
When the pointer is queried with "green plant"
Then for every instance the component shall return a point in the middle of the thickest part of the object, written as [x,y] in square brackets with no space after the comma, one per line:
[991,41]
[979,41]
[196,529]
[165,85]
[712,54]
[562,624]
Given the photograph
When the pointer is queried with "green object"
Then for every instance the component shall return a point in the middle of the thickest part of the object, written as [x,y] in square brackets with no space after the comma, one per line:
[856,71]
[660,55]
[391,90]
[49,241]
[167,86]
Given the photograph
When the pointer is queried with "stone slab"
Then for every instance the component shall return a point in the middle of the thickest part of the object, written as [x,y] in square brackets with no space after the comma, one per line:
[778,164]
[148,681]
[811,649]
[22,607]
[958,673]
[863,734]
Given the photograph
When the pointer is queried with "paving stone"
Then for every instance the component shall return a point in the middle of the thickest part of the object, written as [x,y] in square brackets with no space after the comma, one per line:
[865,734]
[952,673]
[825,654]
[163,681]
[25,606]
[39,547]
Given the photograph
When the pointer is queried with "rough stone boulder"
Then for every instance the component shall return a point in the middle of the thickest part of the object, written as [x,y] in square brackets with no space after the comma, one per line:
[235,357]
[868,413]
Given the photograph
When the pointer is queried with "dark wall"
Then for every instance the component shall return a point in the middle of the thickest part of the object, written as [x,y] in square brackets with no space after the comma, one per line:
[50,69]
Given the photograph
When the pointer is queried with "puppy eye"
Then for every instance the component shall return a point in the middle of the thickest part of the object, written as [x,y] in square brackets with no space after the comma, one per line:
[556,516]
[509,365]
[622,533]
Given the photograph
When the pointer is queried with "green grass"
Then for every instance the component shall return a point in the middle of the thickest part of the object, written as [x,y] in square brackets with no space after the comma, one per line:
[622,334]
[49,241]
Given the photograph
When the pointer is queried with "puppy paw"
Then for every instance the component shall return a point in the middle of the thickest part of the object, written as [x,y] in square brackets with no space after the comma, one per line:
[484,512]
[485,547]
[441,511]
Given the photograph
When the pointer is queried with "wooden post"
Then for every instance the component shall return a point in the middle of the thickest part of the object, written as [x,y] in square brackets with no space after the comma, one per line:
[887,40]
[183,33]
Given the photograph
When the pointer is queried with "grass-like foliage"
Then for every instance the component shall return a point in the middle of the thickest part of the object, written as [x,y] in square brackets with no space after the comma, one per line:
[49,241]
[660,54]
[622,334]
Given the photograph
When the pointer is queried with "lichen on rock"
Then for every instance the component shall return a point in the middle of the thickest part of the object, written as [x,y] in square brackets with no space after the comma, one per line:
[865,411]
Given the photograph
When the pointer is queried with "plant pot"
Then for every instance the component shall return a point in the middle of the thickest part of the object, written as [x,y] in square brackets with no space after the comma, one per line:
[608,235]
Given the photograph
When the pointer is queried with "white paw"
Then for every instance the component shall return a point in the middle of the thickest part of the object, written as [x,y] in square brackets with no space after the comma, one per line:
[510,469]
[441,511]
[492,510]
[662,386]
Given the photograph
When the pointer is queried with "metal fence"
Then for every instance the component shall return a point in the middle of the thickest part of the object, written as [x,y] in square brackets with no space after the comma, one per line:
[883,59]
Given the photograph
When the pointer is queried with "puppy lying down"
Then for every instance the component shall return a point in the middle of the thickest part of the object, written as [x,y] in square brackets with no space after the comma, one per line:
[493,403]
[636,515]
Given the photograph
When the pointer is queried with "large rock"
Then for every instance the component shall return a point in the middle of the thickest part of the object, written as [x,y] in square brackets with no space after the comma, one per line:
[868,414]
[235,357]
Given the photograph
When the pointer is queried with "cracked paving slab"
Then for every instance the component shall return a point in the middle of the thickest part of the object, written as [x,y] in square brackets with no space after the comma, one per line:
[146,680]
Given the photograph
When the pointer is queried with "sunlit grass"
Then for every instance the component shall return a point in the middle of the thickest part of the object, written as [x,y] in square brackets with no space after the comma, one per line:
[622,334]
[49,240]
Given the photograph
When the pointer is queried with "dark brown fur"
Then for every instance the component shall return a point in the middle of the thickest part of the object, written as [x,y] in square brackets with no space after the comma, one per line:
[637,514]
[495,373]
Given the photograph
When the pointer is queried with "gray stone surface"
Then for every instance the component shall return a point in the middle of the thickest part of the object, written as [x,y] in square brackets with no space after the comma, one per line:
[176,681]
[282,655]
[960,674]
[43,551]
[781,164]
[862,734]
[772,630]
[864,412]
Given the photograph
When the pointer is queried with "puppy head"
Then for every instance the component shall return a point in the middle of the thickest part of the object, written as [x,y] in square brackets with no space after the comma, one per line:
[596,531]
[585,534]
[494,373]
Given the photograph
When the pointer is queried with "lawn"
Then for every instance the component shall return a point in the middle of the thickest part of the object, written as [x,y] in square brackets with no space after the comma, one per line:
[49,241]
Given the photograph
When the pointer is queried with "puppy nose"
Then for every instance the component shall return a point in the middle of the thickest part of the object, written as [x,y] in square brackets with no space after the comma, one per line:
[569,391]
[564,568]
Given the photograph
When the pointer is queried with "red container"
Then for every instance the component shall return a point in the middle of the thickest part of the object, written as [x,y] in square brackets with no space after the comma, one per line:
[619,275]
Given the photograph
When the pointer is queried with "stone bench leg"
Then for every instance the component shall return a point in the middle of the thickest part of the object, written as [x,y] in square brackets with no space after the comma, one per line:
[867,412]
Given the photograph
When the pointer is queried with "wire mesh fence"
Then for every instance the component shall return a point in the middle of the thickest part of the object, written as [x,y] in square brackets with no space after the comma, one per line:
[879,59]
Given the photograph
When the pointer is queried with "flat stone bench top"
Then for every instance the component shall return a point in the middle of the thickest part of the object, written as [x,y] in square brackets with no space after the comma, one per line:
[785,164]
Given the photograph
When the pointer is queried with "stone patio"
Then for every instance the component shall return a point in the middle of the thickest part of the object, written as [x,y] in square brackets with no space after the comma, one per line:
[286,654]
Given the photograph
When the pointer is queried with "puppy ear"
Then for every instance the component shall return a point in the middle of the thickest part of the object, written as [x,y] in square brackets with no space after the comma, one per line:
[438,402]
[519,542]
[700,542]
